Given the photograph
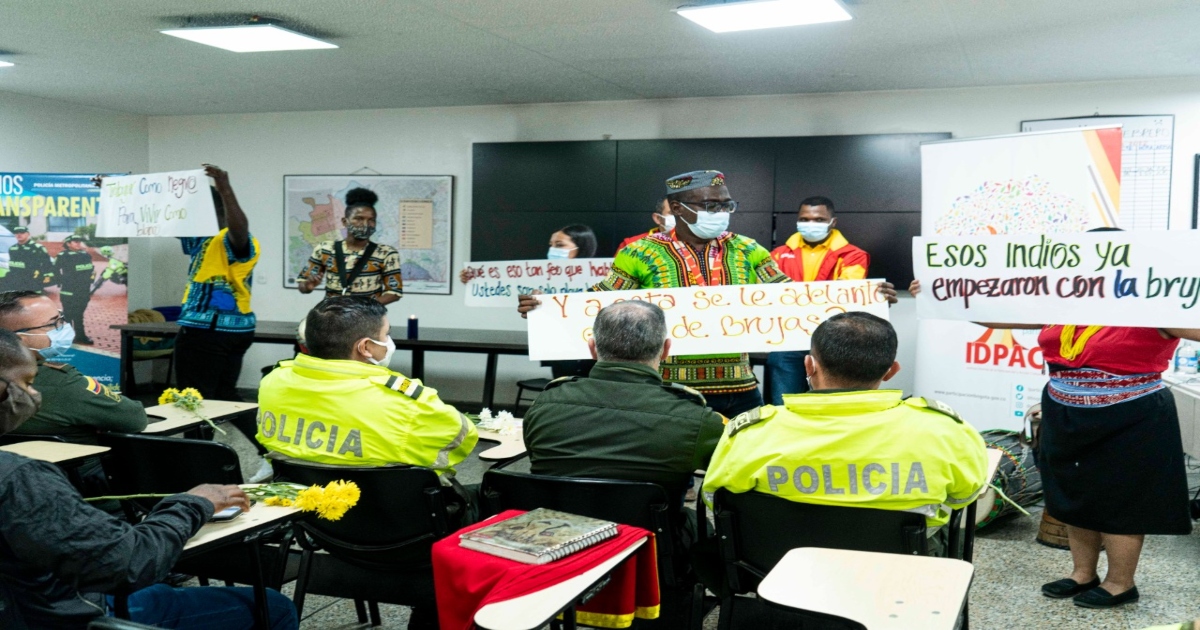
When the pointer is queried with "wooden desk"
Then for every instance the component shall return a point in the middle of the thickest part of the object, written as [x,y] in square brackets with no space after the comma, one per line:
[61,453]
[511,446]
[246,530]
[176,419]
[882,591]
[491,343]
[538,608]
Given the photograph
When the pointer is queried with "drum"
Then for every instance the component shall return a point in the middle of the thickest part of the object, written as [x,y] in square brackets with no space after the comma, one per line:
[1053,532]
[1017,476]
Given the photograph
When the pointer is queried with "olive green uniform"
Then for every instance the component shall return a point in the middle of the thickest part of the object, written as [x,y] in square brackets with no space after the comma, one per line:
[29,266]
[621,422]
[77,406]
[75,274]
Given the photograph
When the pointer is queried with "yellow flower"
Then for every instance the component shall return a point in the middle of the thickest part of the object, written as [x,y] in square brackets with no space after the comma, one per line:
[309,499]
[168,396]
[339,497]
[191,392]
[277,501]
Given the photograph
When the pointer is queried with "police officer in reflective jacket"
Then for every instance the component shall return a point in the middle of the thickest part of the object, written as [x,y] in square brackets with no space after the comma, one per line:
[849,443]
[29,266]
[75,274]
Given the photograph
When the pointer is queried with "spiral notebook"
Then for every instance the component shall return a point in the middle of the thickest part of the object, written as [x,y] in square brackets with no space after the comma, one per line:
[538,536]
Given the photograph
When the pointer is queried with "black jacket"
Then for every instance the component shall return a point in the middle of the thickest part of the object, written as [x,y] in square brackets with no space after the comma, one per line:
[58,554]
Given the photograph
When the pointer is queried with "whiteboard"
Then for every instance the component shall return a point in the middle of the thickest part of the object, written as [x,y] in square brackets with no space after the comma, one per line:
[1146,157]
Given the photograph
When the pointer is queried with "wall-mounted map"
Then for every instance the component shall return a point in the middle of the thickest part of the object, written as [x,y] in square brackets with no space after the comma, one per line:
[414,215]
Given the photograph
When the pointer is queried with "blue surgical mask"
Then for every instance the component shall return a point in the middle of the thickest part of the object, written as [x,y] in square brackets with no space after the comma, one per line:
[710,224]
[812,231]
[556,253]
[60,341]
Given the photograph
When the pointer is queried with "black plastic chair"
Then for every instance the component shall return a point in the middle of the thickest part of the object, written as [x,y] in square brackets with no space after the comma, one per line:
[756,529]
[535,385]
[640,504]
[145,464]
[380,550]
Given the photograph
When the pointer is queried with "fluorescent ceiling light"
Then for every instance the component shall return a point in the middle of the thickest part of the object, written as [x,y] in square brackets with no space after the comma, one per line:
[756,14]
[249,38]
[6,64]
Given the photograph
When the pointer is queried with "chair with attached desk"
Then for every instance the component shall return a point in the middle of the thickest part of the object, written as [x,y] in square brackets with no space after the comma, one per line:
[144,464]
[379,552]
[640,504]
[755,530]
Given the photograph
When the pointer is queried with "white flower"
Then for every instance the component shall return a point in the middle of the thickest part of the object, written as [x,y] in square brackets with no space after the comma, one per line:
[485,414]
[505,416]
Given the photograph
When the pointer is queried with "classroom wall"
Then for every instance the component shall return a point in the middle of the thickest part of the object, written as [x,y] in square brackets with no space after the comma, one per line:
[258,149]
[44,136]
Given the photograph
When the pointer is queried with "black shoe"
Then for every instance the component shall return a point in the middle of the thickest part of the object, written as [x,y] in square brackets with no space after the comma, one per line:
[1100,598]
[1067,587]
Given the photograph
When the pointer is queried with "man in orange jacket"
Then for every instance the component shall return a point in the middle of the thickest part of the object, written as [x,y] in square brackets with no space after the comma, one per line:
[815,253]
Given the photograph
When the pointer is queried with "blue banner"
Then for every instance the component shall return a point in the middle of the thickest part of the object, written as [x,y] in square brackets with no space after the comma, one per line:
[48,245]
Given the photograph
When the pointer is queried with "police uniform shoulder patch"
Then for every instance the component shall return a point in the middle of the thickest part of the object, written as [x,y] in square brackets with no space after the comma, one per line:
[61,367]
[406,386]
[934,405]
[686,392]
[560,380]
[750,418]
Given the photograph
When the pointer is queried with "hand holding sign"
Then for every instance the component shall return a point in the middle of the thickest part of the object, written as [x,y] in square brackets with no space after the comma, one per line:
[178,203]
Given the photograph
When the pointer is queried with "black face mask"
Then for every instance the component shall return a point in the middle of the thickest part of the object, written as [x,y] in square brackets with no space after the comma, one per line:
[360,232]
[17,407]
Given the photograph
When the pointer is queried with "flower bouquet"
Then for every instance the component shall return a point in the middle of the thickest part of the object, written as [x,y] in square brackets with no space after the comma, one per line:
[330,502]
[190,399]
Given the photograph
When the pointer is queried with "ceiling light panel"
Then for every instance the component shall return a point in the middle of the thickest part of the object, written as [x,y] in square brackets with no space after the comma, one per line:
[249,38]
[6,64]
[746,16]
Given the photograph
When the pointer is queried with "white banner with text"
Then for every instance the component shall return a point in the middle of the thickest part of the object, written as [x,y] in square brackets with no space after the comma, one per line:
[498,283]
[1094,278]
[157,204]
[708,320]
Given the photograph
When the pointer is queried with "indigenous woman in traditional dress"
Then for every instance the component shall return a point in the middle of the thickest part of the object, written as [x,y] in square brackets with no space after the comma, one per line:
[1111,455]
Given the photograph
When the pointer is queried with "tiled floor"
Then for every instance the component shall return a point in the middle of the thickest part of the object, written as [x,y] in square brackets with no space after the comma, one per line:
[1010,568]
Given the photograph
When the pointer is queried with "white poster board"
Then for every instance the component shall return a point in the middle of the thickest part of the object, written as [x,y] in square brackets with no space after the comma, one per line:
[1146,279]
[1035,183]
[178,203]
[708,320]
[1147,153]
[498,283]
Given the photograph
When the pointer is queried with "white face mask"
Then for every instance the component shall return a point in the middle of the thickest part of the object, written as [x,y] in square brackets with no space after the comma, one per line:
[813,231]
[668,222]
[387,357]
[556,253]
[710,224]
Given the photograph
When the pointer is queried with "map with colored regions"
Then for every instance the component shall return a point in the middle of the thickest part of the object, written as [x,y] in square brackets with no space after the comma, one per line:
[414,215]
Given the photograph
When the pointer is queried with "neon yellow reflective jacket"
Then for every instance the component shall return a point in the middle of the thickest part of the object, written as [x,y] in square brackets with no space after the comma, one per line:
[866,448]
[358,414]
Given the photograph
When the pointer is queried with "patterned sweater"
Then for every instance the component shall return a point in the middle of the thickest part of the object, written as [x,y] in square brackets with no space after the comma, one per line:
[660,261]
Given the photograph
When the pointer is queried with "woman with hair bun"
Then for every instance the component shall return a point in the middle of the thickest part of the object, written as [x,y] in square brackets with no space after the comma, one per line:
[356,266]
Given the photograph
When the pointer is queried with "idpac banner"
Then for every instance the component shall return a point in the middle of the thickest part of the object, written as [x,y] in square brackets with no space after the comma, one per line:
[708,320]
[1149,279]
[158,204]
[499,283]
[1052,182]
[87,276]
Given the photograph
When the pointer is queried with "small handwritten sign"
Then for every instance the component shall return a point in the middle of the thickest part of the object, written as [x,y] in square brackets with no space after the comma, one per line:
[1147,278]
[157,204]
[499,283]
[708,320]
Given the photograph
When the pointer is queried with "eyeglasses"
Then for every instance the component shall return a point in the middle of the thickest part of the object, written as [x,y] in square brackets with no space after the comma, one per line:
[712,206]
[58,324]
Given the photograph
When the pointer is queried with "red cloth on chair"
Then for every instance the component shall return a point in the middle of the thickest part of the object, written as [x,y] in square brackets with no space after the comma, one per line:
[467,580]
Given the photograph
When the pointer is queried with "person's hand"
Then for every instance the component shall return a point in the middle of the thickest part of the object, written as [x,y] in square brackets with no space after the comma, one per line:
[526,303]
[889,292]
[97,180]
[914,287]
[306,285]
[464,276]
[219,176]
[222,496]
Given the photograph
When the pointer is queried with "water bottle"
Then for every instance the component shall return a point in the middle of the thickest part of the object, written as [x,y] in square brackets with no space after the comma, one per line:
[1185,358]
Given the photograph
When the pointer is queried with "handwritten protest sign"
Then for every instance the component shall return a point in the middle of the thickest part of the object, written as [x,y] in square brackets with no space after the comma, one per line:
[1094,278]
[499,283]
[157,204]
[708,320]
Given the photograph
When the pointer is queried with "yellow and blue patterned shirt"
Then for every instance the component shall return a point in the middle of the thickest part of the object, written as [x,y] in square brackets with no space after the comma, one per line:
[218,292]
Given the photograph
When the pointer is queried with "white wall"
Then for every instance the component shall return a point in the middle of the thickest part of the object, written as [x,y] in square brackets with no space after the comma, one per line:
[259,149]
[43,136]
